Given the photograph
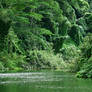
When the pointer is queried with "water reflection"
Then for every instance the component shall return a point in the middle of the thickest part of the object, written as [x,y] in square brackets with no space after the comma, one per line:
[43,82]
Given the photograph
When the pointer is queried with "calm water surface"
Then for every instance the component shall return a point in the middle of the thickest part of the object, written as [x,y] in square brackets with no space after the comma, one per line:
[50,81]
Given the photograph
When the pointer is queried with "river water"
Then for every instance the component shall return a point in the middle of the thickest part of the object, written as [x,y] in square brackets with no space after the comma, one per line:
[48,81]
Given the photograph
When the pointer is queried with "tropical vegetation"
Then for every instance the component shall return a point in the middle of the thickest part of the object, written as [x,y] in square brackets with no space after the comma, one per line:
[46,34]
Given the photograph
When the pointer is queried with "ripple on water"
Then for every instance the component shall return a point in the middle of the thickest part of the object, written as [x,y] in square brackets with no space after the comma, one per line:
[45,80]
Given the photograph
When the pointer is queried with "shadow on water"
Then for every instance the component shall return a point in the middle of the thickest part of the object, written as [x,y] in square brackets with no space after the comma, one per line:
[50,81]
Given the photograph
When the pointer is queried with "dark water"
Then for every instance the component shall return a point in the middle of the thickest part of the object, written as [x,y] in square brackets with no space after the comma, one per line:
[50,81]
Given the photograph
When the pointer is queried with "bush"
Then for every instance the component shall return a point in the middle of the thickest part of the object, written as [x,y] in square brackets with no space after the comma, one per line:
[70,53]
[45,59]
[11,61]
[1,66]
[85,60]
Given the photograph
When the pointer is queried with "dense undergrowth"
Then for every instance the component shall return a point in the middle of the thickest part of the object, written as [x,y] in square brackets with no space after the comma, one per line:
[38,34]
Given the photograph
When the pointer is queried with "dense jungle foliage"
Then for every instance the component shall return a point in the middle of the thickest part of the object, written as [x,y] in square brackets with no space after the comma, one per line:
[43,34]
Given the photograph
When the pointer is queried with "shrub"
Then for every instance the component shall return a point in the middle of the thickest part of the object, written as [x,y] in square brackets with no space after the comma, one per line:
[45,59]
[85,60]
[11,61]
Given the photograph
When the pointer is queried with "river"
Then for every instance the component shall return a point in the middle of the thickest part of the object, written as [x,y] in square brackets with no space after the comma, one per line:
[47,81]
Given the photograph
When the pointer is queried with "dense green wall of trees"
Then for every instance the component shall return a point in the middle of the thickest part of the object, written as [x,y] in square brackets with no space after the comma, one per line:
[37,34]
